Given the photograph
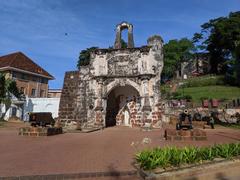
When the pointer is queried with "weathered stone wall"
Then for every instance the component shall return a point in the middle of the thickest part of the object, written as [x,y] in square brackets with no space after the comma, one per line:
[85,96]
[68,104]
[139,118]
[86,92]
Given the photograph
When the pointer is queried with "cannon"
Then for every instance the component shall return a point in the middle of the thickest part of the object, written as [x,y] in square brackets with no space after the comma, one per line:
[211,119]
[197,117]
[182,123]
[41,119]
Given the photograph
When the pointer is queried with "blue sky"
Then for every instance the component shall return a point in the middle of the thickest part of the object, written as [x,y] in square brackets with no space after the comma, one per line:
[38,27]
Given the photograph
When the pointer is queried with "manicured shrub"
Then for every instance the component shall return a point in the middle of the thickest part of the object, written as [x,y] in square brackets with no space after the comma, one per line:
[206,153]
[176,156]
[173,156]
[188,97]
[190,155]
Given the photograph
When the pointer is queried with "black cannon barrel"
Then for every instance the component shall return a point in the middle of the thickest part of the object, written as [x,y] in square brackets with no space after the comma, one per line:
[41,118]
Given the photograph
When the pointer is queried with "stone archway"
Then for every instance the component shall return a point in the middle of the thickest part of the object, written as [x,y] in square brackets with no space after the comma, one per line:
[119,100]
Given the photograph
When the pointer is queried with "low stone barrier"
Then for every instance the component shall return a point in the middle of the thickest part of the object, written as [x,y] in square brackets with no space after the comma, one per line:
[216,169]
[193,134]
[40,131]
[195,124]
[199,124]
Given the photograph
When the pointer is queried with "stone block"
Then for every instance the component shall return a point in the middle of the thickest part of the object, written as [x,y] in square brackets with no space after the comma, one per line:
[176,138]
[198,132]
[39,131]
[186,138]
[170,132]
[198,124]
[186,135]
[200,138]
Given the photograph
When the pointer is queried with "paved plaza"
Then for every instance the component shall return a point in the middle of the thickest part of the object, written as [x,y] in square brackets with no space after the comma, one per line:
[108,150]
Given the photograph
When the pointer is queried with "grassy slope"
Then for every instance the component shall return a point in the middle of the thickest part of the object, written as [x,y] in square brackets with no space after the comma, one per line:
[218,92]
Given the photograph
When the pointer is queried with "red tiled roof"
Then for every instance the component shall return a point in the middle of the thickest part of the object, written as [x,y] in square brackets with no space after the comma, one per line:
[21,61]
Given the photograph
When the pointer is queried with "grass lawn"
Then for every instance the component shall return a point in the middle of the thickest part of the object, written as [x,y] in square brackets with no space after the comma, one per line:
[216,92]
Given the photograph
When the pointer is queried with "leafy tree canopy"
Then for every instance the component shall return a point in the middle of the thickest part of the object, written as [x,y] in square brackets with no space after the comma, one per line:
[84,57]
[220,37]
[176,52]
[237,65]
[8,88]
[123,43]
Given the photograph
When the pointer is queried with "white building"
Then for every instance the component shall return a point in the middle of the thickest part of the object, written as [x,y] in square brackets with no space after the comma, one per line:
[31,105]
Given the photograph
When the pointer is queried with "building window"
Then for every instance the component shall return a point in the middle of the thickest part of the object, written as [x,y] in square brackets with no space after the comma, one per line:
[42,93]
[34,78]
[33,92]
[14,74]
[22,90]
[44,80]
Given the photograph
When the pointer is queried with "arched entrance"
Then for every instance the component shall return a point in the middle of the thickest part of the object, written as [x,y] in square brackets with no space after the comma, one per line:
[118,105]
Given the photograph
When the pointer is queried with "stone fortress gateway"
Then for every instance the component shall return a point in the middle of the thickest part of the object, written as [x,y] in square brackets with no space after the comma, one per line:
[120,86]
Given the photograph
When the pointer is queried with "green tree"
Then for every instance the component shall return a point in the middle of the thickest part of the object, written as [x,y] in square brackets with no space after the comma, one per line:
[238,64]
[220,38]
[8,88]
[123,43]
[176,52]
[84,57]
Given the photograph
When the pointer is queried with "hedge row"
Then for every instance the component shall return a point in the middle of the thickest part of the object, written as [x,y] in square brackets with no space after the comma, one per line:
[173,156]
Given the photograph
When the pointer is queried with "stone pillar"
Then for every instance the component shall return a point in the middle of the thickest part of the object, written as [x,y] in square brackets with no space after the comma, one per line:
[99,103]
[157,93]
[130,36]
[146,103]
[117,44]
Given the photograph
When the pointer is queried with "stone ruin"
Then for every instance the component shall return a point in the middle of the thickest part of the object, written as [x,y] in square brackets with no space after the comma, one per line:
[120,86]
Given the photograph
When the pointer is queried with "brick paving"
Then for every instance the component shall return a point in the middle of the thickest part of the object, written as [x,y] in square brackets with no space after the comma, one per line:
[108,150]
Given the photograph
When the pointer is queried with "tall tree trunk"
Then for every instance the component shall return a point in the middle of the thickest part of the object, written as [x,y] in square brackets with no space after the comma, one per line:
[214,66]
[215,60]
[238,64]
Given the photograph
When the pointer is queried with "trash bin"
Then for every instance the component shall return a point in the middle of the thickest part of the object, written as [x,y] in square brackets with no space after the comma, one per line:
[215,103]
[205,103]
